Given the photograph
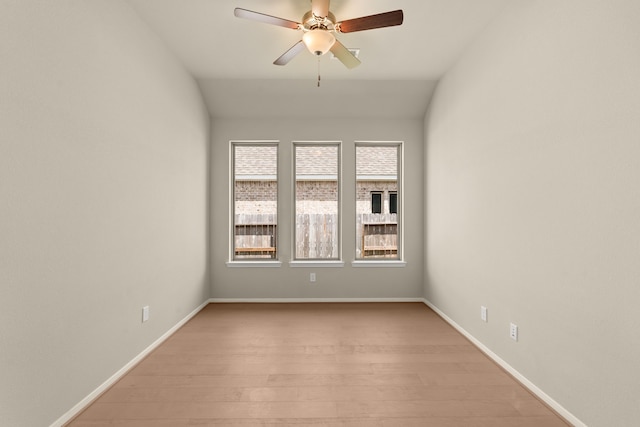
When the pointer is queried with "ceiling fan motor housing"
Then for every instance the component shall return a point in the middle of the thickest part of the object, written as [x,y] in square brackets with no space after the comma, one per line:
[312,22]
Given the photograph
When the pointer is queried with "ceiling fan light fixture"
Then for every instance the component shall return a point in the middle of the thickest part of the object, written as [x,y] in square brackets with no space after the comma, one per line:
[318,41]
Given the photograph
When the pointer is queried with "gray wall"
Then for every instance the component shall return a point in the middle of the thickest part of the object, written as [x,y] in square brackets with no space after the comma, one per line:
[533,199]
[346,282]
[103,201]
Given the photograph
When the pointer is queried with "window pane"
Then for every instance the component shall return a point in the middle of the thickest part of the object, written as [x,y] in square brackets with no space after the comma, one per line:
[255,201]
[377,186]
[393,203]
[317,213]
[376,202]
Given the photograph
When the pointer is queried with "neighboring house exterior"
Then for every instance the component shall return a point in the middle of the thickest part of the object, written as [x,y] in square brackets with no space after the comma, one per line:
[376,172]
[256,180]
[256,186]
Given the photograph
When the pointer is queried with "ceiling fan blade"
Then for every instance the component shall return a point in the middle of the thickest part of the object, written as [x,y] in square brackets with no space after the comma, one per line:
[320,7]
[343,54]
[290,54]
[266,19]
[381,20]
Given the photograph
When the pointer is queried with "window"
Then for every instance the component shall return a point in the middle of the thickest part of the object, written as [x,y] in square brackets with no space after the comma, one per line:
[377,209]
[393,202]
[255,200]
[317,195]
[376,202]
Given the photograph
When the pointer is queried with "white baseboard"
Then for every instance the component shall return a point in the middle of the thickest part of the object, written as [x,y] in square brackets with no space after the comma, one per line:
[84,403]
[305,300]
[568,416]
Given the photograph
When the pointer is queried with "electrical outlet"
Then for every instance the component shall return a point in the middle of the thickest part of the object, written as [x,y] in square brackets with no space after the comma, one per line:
[513,332]
[312,277]
[483,313]
[145,313]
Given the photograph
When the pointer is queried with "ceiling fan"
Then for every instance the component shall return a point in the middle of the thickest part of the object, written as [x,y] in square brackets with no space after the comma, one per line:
[318,26]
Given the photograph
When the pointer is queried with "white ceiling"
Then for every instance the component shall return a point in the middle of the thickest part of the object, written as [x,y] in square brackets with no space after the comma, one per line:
[232,58]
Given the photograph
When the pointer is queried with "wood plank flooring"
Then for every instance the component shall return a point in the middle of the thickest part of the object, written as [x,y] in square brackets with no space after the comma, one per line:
[344,364]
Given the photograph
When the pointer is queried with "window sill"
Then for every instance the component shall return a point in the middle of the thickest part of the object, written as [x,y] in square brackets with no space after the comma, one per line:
[316,264]
[384,264]
[254,264]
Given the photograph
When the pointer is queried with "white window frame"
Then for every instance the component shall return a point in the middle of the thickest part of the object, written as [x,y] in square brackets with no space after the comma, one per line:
[400,260]
[232,262]
[316,262]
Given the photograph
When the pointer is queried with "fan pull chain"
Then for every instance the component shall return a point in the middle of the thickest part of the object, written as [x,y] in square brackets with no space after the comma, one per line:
[318,71]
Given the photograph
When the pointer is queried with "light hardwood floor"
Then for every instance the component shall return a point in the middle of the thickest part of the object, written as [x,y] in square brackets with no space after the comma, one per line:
[346,364]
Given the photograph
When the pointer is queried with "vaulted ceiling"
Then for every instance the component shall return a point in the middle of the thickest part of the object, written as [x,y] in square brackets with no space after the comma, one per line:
[232,58]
